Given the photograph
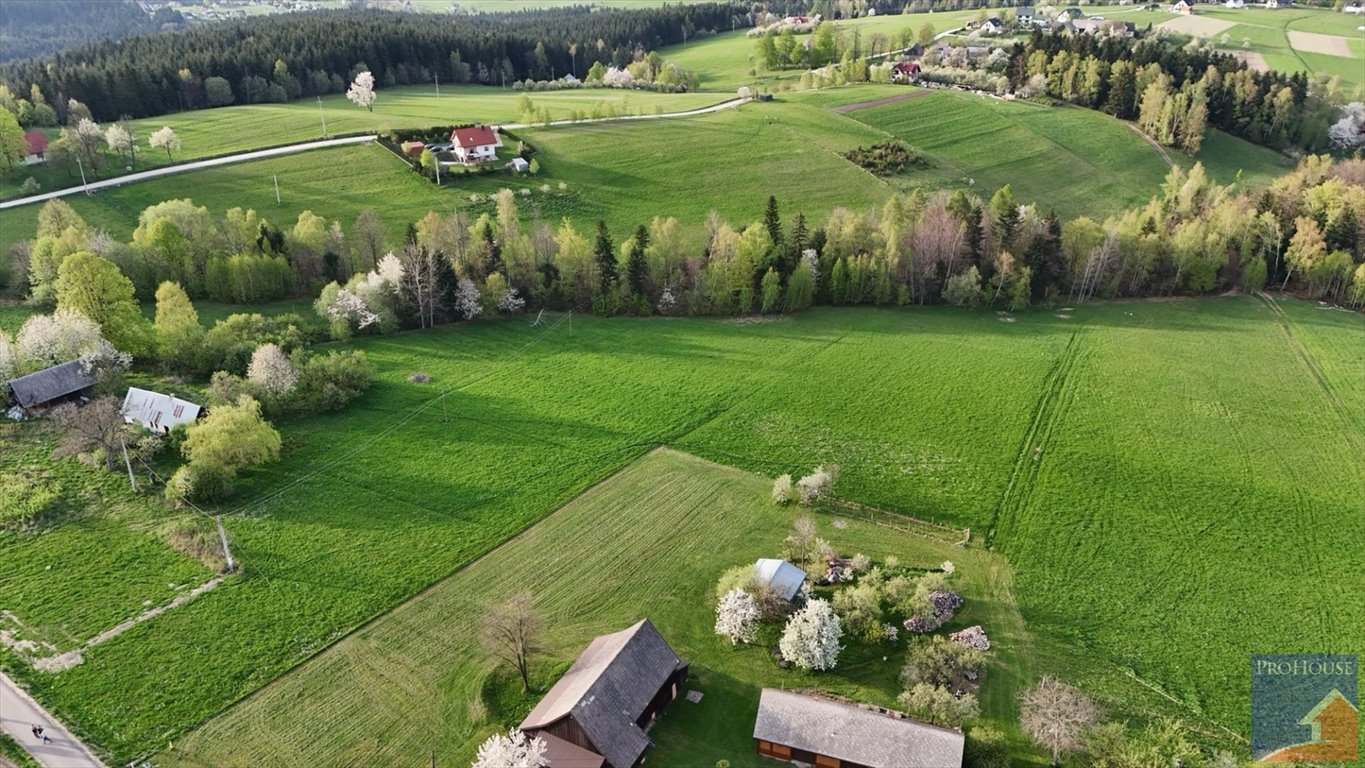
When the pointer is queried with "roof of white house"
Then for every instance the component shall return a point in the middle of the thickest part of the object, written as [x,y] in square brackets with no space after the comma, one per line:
[854,734]
[156,411]
[784,578]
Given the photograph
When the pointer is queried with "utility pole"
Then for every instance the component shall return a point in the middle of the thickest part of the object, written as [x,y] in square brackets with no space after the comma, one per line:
[277,190]
[84,185]
[322,116]
[129,465]
[438,85]
[222,537]
[437,161]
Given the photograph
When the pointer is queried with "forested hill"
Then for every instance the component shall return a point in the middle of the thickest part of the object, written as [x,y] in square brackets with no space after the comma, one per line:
[278,58]
[35,27]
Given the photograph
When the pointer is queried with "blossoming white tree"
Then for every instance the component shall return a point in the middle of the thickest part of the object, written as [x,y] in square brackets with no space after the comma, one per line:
[361,91]
[737,616]
[1345,134]
[351,308]
[617,78]
[783,492]
[271,371]
[46,340]
[811,638]
[120,141]
[511,751]
[468,300]
[511,303]
[167,140]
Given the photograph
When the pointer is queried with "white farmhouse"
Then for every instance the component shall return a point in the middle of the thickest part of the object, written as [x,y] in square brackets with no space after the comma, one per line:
[157,412]
[476,144]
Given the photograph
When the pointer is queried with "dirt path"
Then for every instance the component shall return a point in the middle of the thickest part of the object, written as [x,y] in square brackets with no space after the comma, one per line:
[72,658]
[1160,150]
[915,94]
[19,713]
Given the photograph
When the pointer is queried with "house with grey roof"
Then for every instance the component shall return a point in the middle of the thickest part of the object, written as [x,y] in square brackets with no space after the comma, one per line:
[836,734]
[597,714]
[780,576]
[51,386]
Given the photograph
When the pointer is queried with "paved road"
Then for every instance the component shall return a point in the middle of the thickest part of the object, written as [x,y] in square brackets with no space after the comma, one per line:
[183,167]
[19,713]
[304,147]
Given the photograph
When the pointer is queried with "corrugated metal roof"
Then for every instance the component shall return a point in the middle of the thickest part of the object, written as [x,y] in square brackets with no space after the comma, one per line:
[851,733]
[157,412]
[783,577]
[51,383]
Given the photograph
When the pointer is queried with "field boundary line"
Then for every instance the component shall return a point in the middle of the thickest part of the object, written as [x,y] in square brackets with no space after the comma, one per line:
[650,448]
[1310,362]
[1030,455]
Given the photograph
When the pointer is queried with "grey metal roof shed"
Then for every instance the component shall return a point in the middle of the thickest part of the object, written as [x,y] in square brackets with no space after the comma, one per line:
[854,734]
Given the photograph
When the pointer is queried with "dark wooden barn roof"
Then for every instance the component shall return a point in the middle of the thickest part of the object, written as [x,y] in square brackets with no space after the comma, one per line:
[51,384]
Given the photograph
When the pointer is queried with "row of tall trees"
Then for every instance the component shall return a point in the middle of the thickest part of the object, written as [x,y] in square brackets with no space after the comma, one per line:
[1307,230]
[1173,92]
[283,57]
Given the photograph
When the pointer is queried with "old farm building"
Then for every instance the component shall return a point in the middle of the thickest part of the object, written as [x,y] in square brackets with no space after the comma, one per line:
[596,715]
[51,386]
[835,734]
[157,412]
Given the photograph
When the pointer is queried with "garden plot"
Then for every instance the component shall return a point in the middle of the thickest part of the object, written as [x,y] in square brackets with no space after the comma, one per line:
[1312,42]
[1198,26]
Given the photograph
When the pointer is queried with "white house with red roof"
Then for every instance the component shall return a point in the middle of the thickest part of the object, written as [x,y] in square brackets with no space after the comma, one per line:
[475,144]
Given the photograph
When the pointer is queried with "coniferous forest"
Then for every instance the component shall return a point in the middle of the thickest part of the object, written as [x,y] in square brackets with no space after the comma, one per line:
[278,58]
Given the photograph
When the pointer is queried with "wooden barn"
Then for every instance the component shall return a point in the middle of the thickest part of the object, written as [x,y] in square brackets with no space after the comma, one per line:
[828,733]
[596,715]
[51,386]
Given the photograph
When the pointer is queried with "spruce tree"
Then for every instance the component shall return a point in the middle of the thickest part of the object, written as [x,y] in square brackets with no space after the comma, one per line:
[607,272]
[636,268]
[773,222]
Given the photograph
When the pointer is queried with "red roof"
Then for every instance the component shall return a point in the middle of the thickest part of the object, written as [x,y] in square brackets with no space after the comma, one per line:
[906,67]
[37,142]
[477,136]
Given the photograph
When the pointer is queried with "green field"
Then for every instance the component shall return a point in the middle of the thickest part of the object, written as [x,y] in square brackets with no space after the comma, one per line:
[227,130]
[1266,30]
[1075,161]
[647,543]
[1156,425]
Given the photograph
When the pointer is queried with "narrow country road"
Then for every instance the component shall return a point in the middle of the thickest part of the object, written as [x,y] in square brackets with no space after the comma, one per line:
[170,170]
[291,149]
[18,715]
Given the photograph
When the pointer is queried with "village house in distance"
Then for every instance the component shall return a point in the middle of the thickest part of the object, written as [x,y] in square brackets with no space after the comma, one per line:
[596,715]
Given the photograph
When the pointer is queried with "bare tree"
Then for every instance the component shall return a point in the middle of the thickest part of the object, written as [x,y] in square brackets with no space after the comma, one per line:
[96,426]
[419,282]
[510,631]
[369,238]
[801,541]
[1056,716]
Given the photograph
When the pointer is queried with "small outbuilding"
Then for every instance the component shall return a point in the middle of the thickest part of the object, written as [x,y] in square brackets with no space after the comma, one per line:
[828,733]
[156,412]
[519,165]
[779,575]
[596,715]
[51,386]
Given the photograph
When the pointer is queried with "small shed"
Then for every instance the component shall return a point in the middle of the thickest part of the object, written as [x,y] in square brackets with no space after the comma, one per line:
[781,576]
[51,386]
[519,165]
[413,148]
[829,733]
[156,412]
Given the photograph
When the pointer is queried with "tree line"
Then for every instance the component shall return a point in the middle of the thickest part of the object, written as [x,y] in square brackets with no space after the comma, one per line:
[1192,237]
[278,58]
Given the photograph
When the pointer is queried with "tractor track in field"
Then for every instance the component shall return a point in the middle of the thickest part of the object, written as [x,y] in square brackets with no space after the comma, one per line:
[1310,362]
[1052,404]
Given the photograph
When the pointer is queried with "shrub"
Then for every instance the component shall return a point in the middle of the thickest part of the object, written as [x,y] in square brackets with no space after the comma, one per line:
[329,382]
[24,498]
[30,186]
[939,706]
[886,158]
[940,662]
[739,577]
[783,492]
[860,607]
[197,483]
[197,538]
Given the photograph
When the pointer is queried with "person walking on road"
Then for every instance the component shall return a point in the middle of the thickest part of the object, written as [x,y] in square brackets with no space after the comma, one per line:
[39,733]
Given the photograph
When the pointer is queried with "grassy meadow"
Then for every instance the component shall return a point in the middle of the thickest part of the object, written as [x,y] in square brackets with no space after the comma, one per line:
[649,542]
[241,128]
[1160,424]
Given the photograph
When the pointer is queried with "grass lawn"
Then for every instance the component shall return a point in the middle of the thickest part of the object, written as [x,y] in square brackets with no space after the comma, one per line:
[1075,161]
[1161,423]
[647,543]
[226,130]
